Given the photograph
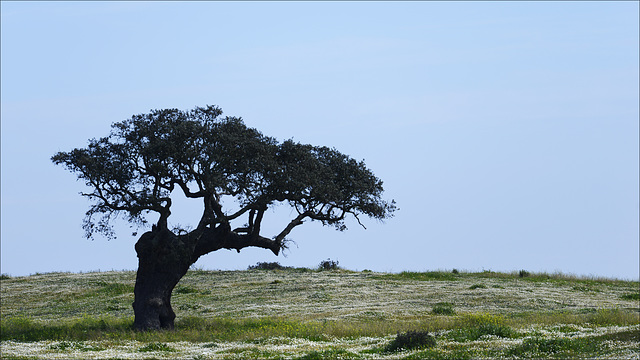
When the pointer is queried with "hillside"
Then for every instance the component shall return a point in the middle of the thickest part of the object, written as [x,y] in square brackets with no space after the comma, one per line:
[302,313]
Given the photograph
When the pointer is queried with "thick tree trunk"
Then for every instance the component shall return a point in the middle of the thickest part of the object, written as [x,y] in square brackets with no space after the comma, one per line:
[164,258]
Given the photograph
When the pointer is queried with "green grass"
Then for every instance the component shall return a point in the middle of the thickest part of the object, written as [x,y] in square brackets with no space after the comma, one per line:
[156,346]
[328,314]
[185,290]
[74,345]
[329,354]
[86,328]
[467,327]
[114,289]
[478,325]
[451,353]
[563,348]
[443,308]
[420,276]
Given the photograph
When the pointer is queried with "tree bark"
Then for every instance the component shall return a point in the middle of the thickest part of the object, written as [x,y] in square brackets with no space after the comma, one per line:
[164,258]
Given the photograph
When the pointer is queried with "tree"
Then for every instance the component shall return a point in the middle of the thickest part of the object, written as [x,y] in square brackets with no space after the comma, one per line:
[135,170]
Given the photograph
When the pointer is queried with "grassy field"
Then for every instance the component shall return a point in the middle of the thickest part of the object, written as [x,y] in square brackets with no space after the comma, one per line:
[310,314]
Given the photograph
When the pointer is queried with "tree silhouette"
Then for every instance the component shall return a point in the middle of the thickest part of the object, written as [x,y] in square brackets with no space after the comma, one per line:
[134,171]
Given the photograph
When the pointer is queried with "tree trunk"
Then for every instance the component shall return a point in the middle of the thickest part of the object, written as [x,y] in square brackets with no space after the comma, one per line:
[164,259]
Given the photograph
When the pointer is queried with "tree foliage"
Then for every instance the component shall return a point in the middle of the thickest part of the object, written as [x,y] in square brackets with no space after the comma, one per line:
[135,169]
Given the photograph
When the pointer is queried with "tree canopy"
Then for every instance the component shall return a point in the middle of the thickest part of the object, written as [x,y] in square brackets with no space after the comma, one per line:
[135,169]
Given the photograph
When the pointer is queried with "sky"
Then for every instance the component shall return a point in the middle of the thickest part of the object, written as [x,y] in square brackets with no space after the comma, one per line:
[507,132]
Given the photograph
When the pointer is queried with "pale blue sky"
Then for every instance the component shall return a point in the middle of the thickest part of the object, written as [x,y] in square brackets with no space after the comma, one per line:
[506,131]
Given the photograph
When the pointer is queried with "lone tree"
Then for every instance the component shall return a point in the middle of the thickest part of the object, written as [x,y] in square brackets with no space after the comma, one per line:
[135,170]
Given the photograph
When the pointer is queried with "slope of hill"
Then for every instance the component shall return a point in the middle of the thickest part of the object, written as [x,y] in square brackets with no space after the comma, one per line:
[307,314]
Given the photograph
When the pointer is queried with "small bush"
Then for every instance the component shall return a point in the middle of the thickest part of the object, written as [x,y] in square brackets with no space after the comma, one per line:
[411,340]
[328,265]
[455,271]
[5,277]
[443,308]
[268,266]
[523,273]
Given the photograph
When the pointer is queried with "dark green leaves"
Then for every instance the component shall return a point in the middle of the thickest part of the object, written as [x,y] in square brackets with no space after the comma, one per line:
[327,184]
[136,168]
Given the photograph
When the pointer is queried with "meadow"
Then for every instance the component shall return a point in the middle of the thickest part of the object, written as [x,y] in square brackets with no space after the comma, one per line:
[325,314]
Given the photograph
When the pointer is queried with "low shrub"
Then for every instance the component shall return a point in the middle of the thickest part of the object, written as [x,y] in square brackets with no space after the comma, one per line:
[267,266]
[328,265]
[523,273]
[478,286]
[443,308]
[411,340]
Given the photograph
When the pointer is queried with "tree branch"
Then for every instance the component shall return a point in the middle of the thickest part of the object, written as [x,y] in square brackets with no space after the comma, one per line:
[295,222]
[221,237]
[359,222]
[255,229]
[240,212]
[208,215]
[187,192]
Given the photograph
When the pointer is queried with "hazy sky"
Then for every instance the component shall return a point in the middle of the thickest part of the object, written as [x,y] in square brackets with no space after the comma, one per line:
[507,132]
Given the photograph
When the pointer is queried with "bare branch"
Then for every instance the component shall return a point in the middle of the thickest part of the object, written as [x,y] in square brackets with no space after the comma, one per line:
[357,218]
[295,222]
[240,212]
